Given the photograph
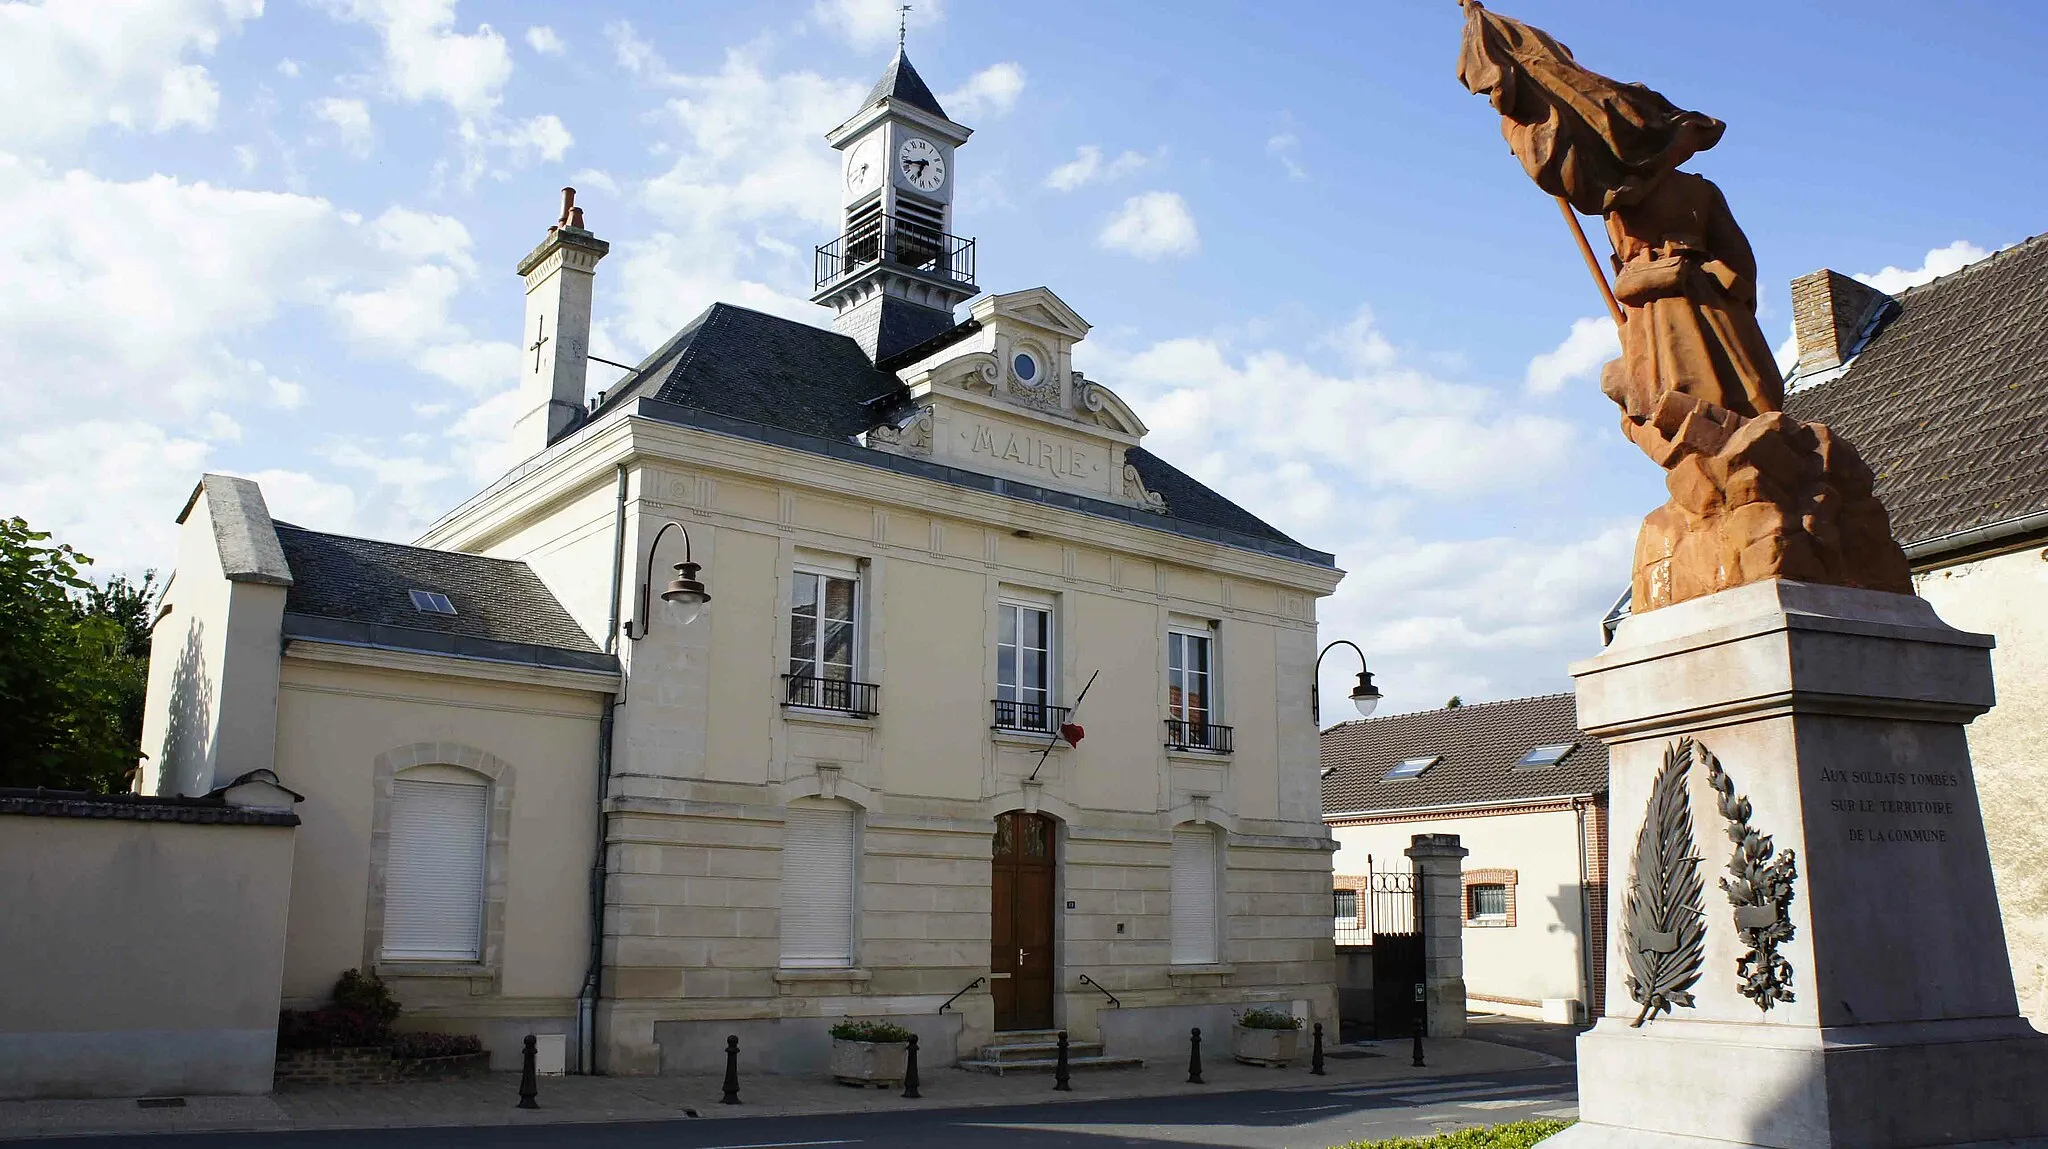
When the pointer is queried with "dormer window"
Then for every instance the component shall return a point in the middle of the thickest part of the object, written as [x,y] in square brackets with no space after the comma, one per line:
[1410,768]
[1025,365]
[431,602]
[1544,757]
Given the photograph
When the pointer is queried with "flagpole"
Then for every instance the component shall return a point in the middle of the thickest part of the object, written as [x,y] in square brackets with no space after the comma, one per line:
[1054,740]
[1592,262]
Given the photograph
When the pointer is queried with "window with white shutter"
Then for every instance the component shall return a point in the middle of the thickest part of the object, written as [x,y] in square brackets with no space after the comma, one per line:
[818,852]
[434,869]
[1196,877]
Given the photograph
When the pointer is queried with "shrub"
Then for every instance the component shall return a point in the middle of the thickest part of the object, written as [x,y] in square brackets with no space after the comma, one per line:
[1520,1135]
[1268,1019]
[411,1045]
[881,1032]
[365,994]
[328,1028]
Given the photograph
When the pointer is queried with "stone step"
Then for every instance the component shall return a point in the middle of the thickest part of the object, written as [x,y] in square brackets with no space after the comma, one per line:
[1035,1050]
[1048,1064]
[1025,1036]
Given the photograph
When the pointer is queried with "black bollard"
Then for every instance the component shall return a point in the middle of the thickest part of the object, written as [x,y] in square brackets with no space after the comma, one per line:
[529,1084]
[910,1072]
[1421,1015]
[732,1071]
[1195,1057]
[1315,1056]
[1059,1068]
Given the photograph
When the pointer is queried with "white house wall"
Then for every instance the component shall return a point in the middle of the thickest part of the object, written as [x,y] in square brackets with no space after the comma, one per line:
[2007,596]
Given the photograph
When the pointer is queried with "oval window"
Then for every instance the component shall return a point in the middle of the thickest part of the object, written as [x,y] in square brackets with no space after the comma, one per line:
[1025,366]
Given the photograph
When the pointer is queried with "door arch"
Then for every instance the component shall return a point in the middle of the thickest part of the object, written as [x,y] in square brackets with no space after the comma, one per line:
[1023,876]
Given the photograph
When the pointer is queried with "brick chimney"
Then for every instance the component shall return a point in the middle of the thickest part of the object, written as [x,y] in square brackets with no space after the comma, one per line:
[555,343]
[1830,313]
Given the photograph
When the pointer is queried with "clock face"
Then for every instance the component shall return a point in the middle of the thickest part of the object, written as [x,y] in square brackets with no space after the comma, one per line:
[864,166]
[924,166]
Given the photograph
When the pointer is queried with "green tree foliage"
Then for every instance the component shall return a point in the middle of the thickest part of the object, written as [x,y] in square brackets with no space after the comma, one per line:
[1519,1135]
[74,666]
[1455,702]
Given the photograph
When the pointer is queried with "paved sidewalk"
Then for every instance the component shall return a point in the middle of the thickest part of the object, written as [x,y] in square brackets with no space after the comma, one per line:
[490,1100]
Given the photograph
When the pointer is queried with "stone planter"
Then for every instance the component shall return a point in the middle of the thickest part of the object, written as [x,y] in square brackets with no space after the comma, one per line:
[1275,1047]
[876,1063]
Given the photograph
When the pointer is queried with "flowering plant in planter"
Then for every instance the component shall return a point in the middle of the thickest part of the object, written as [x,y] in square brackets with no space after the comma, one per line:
[869,1052]
[1265,1037]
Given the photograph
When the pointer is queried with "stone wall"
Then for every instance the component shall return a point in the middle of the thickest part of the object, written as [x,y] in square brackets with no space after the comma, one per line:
[371,1066]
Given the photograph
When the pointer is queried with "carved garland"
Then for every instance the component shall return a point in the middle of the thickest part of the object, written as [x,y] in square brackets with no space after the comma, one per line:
[1664,929]
[1760,889]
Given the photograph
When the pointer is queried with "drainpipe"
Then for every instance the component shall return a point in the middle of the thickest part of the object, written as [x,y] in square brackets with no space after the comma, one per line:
[1586,939]
[593,976]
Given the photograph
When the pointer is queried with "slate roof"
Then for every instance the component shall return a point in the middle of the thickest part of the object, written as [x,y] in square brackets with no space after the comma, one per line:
[775,372]
[40,803]
[902,82]
[1478,745]
[1948,401]
[366,583]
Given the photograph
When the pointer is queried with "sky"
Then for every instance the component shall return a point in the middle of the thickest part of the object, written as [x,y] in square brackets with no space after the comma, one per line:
[277,239]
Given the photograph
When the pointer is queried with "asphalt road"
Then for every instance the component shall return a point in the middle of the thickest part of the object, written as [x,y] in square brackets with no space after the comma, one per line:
[1313,1118]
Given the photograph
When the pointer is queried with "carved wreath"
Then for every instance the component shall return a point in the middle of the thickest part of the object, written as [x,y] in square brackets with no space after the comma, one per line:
[1759,886]
[1664,930]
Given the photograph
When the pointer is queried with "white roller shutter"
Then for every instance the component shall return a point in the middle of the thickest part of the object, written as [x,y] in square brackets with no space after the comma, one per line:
[1195,878]
[817,885]
[434,876]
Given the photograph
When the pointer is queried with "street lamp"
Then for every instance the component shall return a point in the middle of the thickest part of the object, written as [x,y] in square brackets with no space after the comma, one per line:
[684,592]
[1364,695]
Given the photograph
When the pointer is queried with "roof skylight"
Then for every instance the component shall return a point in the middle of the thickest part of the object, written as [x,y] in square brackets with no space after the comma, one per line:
[1410,768]
[1543,757]
[431,602]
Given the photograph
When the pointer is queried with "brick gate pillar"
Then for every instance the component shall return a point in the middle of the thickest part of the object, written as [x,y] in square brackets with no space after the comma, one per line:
[1440,882]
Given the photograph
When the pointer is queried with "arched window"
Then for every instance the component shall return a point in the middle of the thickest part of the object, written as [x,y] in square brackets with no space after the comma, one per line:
[1197,896]
[434,875]
[819,847]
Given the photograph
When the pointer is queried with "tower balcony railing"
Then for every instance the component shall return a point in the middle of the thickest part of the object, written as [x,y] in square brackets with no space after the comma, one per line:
[899,241]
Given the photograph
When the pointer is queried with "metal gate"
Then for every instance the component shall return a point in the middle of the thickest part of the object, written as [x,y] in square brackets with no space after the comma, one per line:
[1397,955]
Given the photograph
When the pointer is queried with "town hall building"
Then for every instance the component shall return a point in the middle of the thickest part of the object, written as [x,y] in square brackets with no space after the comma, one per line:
[875,670]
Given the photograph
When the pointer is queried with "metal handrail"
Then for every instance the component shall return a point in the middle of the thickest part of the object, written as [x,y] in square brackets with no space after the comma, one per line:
[1198,736]
[1097,987]
[956,997]
[860,699]
[1030,717]
[894,239]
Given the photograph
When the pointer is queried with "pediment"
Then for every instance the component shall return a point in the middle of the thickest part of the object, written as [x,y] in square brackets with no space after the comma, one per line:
[1035,307]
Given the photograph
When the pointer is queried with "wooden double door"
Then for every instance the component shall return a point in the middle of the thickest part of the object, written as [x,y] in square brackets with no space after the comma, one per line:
[1021,925]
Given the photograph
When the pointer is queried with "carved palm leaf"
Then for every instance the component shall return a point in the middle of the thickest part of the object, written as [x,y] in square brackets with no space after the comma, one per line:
[1664,930]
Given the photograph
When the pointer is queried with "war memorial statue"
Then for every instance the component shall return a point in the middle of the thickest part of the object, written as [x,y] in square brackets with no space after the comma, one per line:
[1780,708]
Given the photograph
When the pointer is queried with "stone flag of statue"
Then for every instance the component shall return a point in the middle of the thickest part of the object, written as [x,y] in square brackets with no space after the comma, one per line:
[1754,494]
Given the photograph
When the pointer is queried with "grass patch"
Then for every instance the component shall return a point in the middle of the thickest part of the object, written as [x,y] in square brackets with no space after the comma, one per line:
[1520,1135]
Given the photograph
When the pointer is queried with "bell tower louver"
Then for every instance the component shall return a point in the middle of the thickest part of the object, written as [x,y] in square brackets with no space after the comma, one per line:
[897,271]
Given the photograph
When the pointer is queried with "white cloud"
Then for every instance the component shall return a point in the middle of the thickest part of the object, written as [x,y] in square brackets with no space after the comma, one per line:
[1286,148]
[1087,167]
[1152,225]
[425,58]
[587,179]
[542,137]
[542,39]
[869,24]
[632,53]
[79,67]
[1591,343]
[993,91]
[288,68]
[245,158]
[1939,262]
[351,121]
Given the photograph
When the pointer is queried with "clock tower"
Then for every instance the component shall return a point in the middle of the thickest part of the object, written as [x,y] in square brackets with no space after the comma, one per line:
[897,271]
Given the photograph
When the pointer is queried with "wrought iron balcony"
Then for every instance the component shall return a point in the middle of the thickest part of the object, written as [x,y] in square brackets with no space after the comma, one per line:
[903,242]
[1197,736]
[859,699]
[1032,717]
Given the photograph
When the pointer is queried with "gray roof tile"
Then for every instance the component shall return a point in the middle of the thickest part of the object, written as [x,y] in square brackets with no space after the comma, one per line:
[1478,745]
[902,82]
[366,581]
[1948,401]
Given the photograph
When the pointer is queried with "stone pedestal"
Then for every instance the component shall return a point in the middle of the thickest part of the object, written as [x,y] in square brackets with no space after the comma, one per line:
[1439,862]
[1831,721]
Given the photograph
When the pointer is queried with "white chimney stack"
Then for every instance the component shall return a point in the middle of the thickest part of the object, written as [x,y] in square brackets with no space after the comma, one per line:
[556,338]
